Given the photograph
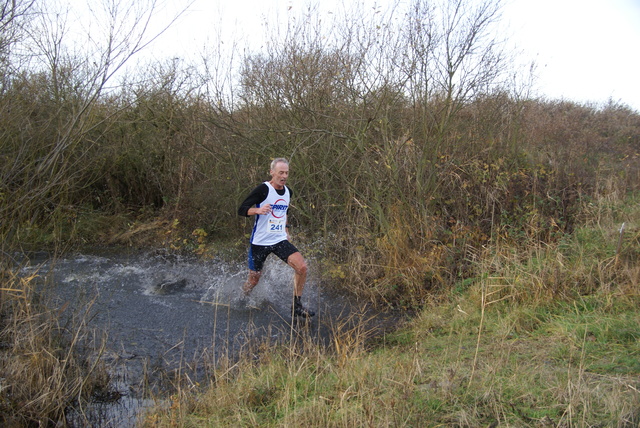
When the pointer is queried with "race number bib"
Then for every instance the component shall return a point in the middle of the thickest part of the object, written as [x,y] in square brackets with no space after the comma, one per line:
[276,225]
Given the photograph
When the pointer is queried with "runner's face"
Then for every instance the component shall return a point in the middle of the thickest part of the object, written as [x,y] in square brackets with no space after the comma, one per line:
[279,175]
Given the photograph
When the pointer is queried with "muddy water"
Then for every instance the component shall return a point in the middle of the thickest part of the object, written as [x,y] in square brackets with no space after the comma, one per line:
[161,314]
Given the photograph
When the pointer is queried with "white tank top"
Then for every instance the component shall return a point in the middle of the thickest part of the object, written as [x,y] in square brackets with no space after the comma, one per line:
[269,229]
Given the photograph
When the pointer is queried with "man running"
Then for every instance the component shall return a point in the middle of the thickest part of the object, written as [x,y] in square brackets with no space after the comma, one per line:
[269,202]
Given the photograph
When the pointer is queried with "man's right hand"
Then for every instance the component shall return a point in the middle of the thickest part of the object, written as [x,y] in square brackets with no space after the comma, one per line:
[266,209]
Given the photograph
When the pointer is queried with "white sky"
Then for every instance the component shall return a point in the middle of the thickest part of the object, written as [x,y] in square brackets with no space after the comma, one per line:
[584,50]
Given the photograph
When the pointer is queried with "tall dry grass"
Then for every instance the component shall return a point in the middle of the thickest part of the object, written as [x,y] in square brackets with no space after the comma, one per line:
[598,256]
[49,363]
[427,377]
[523,345]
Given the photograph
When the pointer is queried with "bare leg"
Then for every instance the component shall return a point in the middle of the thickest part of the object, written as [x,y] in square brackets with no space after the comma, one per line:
[299,265]
[297,262]
[251,282]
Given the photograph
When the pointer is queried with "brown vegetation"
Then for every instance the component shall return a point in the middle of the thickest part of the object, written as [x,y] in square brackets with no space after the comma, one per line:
[404,163]
[410,155]
[47,365]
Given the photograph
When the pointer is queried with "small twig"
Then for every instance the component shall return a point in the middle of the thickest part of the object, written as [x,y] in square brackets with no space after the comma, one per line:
[211,303]
[619,242]
[620,238]
[475,356]
[173,347]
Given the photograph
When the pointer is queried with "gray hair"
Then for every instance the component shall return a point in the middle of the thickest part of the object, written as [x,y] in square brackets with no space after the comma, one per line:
[277,161]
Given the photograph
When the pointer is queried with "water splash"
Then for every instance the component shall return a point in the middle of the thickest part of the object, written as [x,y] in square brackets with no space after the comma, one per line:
[160,311]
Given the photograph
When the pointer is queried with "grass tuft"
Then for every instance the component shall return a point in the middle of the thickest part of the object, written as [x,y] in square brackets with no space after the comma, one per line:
[46,368]
[549,335]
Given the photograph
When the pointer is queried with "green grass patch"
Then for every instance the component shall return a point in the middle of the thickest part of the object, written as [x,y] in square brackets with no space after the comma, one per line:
[578,362]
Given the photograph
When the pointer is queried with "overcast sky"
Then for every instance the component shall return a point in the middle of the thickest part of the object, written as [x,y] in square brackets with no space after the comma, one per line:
[584,50]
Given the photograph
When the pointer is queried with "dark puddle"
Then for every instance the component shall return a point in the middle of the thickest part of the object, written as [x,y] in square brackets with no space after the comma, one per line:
[161,315]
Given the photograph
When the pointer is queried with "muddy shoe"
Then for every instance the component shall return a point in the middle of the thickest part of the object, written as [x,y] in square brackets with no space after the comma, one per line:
[299,310]
[247,288]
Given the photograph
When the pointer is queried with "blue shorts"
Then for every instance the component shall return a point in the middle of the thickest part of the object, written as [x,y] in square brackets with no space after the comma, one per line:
[259,253]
